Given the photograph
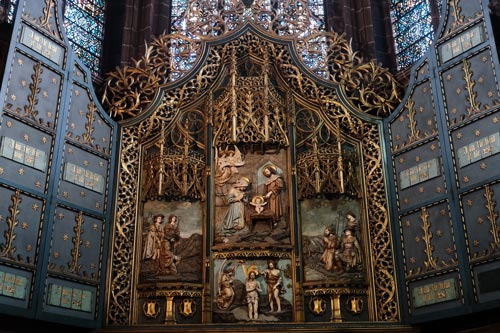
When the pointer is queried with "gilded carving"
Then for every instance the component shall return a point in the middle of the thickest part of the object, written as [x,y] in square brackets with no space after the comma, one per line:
[252,109]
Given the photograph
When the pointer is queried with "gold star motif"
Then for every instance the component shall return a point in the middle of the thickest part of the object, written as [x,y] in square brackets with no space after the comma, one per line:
[480,80]
[429,122]
[401,118]
[401,160]
[421,190]
[101,163]
[49,114]
[476,243]
[65,237]
[480,220]
[26,137]
[483,166]
[449,250]
[80,112]
[60,216]
[95,227]
[484,59]
[97,205]
[477,132]
[86,163]
[459,135]
[407,223]
[104,140]
[448,77]
[424,90]
[65,194]
[87,244]
[99,122]
[406,201]
[54,80]
[469,202]
[70,151]
[29,247]
[417,239]
[92,266]
[19,62]
[1,218]
[417,158]
[20,171]
[24,225]
[442,212]
[45,94]
[44,139]
[13,97]
[466,179]
[1,171]
[77,92]
[490,94]
[23,83]
[413,260]
[73,126]
[82,194]
[421,109]
[56,255]
[439,189]
[454,110]
[398,137]
[35,207]
[439,233]
[458,91]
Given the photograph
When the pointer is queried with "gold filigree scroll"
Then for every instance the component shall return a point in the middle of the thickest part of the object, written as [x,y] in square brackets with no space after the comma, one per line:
[126,100]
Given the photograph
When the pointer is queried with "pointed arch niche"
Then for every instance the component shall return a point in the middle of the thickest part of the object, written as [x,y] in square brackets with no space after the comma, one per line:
[263,163]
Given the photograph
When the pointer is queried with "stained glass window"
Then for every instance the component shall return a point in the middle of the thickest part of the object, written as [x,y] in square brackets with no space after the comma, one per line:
[213,17]
[84,23]
[10,7]
[210,18]
[412,28]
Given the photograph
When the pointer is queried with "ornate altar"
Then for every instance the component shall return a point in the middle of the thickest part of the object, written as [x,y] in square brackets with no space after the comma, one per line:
[271,172]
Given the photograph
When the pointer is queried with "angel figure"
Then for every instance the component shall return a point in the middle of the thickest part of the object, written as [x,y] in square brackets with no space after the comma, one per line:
[227,162]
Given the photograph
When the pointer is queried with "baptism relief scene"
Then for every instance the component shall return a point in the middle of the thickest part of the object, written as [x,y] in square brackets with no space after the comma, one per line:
[253,290]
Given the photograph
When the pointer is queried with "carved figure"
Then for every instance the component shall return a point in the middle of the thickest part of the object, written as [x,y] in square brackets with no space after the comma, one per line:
[252,288]
[234,219]
[274,187]
[350,252]
[225,294]
[329,256]
[259,203]
[274,281]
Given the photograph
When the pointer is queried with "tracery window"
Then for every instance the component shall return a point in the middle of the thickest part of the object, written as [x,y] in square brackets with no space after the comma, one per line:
[84,23]
[224,15]
[413,28]
[206,19]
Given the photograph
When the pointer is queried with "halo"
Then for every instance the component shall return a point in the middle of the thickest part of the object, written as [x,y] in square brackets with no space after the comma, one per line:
[271,167]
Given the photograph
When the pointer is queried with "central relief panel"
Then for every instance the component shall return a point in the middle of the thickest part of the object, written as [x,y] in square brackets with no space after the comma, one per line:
[252,240]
